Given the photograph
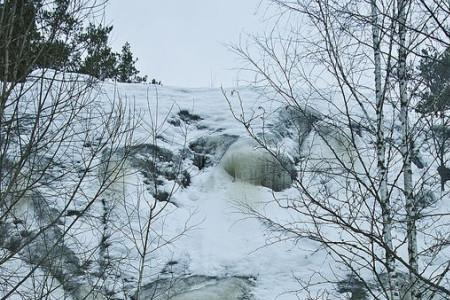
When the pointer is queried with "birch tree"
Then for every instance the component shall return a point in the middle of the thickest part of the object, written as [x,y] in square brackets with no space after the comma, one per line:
[381,152]
[358,58]
[411,213]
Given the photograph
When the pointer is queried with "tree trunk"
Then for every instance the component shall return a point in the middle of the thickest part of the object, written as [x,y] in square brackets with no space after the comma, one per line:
[411,212]
[381,158]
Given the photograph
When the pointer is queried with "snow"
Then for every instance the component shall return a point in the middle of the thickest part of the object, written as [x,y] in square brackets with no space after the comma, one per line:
[208,228]
[222,240]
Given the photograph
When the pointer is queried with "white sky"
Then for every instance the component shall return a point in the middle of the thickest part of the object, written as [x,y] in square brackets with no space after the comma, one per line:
[181,42]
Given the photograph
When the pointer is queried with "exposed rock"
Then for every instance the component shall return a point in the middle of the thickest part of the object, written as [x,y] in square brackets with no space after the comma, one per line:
[188,117]
[158,166]
[294,122]
[44,247]
[428,292]
[150,150]
[184,116]
[175,122]
[425,198]
[354,286]
[210,149]
[444,173]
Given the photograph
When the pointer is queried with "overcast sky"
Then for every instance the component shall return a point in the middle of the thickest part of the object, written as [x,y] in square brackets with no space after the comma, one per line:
[182,42]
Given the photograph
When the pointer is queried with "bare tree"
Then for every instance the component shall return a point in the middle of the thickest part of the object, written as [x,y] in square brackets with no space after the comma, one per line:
[54,134]
[351,65]
[67,151]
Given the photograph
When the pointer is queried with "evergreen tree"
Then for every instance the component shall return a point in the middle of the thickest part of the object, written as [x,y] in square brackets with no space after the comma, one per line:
[126,69]
[59,31]
[36,34]
[54,55]
[101,61]
[435,99]
[59,20]
[18,36]
[435,73]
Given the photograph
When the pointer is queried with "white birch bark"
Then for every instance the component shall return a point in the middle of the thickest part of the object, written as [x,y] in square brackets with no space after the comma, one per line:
[406,152]
[381,158]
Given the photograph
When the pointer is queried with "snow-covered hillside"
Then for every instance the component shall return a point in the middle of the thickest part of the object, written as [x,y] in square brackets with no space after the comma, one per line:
[179,200]
[220,242]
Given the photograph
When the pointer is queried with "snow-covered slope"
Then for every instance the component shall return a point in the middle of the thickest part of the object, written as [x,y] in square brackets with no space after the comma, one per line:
[177,222]
[218,239]
[206,230]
